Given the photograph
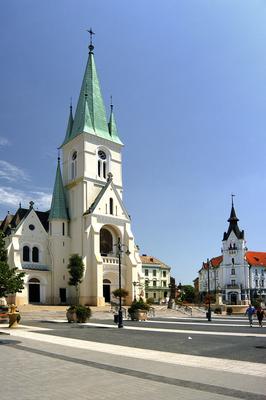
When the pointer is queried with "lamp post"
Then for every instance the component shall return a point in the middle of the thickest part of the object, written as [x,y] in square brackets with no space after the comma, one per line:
[209,316]
[119,252]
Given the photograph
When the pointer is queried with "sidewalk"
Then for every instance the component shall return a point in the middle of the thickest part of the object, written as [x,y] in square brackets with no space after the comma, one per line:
[34,312]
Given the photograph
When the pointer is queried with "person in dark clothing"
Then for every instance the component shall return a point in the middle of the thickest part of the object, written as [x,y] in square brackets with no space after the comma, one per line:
[260,315]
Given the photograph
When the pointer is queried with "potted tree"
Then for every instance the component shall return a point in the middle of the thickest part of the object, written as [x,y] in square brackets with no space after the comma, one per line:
[138,310]
[11,282]
[76,312]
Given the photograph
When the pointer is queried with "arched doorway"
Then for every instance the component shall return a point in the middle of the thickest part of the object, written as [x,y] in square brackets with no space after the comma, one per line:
[34,290]
[233,298]
[107,290]
[106,242]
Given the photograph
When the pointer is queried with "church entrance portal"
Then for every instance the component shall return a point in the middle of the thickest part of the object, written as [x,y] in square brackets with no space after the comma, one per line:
[34,290]
[107,290]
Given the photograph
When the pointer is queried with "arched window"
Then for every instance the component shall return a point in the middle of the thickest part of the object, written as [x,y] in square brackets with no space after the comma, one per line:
[111,206]
[74,165]
[35,254]
[102,169]
[26,253]
[63,228]
[106,242]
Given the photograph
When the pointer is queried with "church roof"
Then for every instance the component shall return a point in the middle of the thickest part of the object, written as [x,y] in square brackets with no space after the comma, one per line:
[233,225]
[146,260]
[12,221]
[90,115]
[58,206]
[256,258]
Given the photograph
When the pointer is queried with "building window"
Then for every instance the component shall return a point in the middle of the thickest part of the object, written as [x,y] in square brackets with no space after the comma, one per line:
[146,272]
[164,283]
[154,283]
[146,282]
[63,229]
[26,253]
[256,272]
[164,274]
[111,205]
[154,272]
[74,165]
[233,271]
[154,295]
[35,254]
[256,283]
[233,282]
[102,169]
[262,283]
[106,242]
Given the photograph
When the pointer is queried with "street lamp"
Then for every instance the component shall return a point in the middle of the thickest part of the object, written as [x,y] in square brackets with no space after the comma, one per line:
[119,252]
[209,316]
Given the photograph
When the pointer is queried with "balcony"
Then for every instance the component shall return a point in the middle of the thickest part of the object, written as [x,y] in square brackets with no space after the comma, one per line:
[110,260]
[232,286]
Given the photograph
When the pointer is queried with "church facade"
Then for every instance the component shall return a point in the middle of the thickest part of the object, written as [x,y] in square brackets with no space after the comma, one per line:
[238,274]
[87,215]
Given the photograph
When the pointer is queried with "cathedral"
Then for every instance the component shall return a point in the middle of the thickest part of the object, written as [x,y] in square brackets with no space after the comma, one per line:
[87,215]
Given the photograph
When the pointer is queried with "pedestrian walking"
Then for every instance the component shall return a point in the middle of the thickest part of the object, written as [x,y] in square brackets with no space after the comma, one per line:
[250,311]
[260,315]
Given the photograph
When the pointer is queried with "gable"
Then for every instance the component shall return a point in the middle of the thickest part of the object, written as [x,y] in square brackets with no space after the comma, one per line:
[108,202]
[31,226]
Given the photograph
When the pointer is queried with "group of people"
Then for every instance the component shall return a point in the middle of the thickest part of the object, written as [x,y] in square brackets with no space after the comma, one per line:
[251,311]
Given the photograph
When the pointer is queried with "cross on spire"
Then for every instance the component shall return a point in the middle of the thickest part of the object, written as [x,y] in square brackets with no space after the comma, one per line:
[232,195]
[91,33]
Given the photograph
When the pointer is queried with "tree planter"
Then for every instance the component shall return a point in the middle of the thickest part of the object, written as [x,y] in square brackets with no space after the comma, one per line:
[78,313]
[139,315]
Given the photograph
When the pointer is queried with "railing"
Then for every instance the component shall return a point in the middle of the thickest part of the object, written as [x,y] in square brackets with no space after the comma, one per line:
[110,260]
[232,287]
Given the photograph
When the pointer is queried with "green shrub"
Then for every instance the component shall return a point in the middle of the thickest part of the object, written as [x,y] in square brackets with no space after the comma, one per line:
[83,312]
[138,305]
[150,300]
[218,310]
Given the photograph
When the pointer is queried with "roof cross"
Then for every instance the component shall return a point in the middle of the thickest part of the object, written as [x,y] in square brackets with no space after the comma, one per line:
[232,195]
[91,33]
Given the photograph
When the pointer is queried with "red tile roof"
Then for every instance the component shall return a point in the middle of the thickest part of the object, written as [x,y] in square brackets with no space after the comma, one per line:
[152,260]
[256,258]
[215,262]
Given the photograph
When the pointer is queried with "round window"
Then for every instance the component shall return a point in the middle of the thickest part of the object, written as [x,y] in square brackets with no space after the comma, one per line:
[31,227]
[102,155]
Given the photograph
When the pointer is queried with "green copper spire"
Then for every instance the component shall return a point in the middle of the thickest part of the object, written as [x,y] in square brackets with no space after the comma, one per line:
[58,207]
[69,125]
[90,116]
[112,125]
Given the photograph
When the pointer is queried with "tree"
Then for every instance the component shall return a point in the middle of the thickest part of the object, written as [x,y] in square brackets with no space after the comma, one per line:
[123,292]
[11,281]
[76,271]
[187,293]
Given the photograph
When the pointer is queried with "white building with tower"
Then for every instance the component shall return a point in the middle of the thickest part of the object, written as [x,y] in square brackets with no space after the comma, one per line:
[238,274]
[87,214]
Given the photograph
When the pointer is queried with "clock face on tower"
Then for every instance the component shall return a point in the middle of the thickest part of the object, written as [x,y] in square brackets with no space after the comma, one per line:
[102,155]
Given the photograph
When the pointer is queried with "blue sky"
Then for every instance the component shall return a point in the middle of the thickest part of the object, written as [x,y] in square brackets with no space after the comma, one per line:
[188,80]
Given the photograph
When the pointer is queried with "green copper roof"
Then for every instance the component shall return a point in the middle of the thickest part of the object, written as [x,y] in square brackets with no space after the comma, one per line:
[58,207]
[112,126]
[90,113]
[69,126]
